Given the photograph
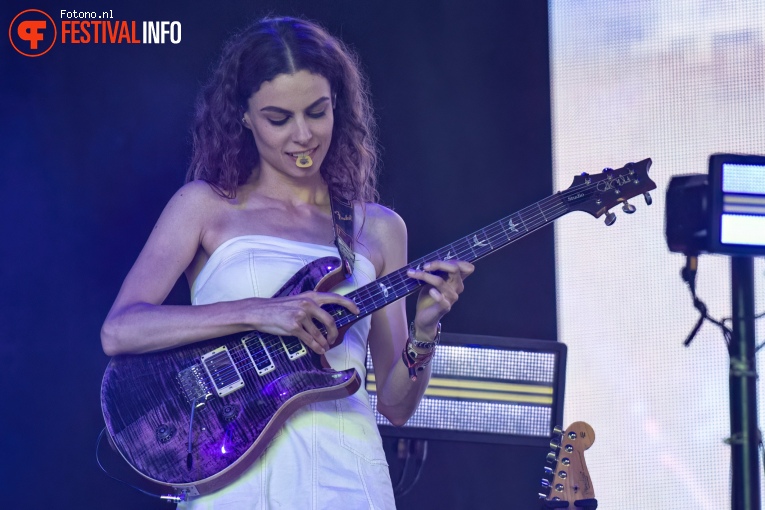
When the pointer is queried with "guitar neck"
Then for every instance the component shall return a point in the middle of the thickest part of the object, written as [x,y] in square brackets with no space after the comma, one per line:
[396,285]
[594,194]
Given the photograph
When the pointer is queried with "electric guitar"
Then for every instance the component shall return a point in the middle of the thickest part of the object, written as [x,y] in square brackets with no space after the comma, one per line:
[193,418]
[571,481]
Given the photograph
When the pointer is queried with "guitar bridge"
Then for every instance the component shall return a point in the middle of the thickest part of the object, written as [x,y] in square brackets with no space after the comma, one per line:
[222,370]
[192,382]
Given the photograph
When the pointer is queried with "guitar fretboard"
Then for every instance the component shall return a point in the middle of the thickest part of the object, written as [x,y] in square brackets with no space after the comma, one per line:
[396,285]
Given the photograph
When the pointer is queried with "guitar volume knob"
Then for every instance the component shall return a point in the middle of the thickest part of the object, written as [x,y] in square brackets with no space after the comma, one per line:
[165,433]
[229,413]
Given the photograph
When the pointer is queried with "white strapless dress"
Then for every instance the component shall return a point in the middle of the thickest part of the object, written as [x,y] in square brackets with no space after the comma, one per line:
[328,454]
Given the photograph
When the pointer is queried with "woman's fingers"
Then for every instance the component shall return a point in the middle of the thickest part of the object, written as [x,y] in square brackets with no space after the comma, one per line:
[314,318]
[444,283]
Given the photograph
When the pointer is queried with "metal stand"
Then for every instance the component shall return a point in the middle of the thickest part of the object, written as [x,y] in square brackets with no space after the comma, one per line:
[745,466]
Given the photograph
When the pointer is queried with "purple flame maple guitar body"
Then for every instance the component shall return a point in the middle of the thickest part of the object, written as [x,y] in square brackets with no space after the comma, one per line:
[147,399]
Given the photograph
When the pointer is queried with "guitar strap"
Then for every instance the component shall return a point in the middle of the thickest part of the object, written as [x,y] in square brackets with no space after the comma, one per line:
[342,221]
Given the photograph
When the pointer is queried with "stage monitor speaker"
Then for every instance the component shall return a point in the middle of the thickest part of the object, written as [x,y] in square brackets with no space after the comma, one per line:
[487,389]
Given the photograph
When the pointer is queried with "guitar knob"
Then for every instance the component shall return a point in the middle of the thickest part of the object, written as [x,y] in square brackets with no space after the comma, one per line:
[648,199]
[606,170]
[545,483]
[229,413]
[557,431]
[551,458]
[610,218]
[628,208]
[164,433]
[554,444]
[548,470]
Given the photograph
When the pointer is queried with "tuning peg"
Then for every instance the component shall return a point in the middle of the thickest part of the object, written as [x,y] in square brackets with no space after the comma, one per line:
[545,483]
[605,170]
[555,444]
[551,458]
[610,218]
[648,199]
[557,431]
[548,470]
[628,208]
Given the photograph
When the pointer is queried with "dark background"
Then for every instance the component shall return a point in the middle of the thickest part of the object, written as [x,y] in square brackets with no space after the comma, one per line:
[94,139]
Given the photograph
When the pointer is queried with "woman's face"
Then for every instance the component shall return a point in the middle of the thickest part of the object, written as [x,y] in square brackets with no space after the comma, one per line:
[290,118]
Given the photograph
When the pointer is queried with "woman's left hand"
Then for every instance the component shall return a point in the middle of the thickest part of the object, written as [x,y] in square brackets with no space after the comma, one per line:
[438,294]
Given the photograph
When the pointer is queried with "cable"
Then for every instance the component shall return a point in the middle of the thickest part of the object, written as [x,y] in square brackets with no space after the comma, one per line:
[688,274]
[98,461]
[422,454]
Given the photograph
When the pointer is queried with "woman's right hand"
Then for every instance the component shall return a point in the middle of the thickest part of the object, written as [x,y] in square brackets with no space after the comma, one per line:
[295,316]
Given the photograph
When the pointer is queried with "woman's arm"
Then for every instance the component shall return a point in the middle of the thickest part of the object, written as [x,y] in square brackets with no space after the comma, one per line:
[138,322]
[397,395]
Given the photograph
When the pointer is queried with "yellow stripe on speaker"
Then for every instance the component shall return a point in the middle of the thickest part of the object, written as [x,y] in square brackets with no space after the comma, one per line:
[471,384]
[492,396]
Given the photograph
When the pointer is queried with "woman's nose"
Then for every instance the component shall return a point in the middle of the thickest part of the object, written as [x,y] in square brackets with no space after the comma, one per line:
[302,133]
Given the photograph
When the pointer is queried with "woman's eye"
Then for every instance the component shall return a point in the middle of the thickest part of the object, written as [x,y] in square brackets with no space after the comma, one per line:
[317,115]
[278,122]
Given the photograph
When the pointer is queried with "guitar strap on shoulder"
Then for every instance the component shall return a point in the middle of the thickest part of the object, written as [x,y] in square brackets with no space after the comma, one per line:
[342,221]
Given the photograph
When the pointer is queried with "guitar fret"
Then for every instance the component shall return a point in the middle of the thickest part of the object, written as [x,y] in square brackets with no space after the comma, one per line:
[543,213]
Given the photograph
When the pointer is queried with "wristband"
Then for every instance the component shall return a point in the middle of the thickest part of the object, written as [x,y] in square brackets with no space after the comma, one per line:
[417,361]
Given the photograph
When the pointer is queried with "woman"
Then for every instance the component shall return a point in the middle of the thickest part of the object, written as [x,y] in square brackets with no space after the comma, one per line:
[284,123]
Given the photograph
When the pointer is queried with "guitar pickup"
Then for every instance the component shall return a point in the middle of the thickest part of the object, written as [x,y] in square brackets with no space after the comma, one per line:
[293,347]
[222,370]
[258,353]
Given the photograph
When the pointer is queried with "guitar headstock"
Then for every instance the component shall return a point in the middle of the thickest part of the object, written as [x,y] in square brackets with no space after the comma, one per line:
[565,463]
[597,194]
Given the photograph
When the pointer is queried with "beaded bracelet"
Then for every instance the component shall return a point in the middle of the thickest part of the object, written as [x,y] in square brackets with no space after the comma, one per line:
[416,361]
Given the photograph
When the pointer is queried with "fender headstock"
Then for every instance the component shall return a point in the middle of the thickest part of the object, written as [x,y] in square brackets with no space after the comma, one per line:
[569,480]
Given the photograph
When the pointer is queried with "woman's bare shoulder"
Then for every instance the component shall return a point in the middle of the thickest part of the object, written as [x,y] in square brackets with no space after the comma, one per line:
[382,221]
[383,233]
[197,192]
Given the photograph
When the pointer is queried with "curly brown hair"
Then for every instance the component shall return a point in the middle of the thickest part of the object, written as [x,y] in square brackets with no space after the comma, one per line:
[224,152]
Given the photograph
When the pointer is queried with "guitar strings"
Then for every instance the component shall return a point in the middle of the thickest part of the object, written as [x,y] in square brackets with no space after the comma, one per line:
[399,282]
[376,293]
